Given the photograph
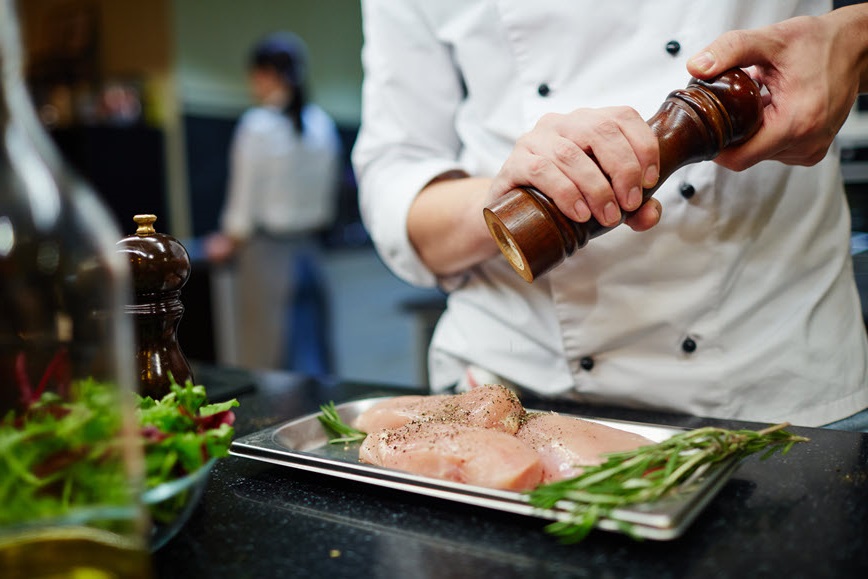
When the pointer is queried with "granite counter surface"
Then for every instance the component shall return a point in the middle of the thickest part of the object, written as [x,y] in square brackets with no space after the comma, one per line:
[801,515]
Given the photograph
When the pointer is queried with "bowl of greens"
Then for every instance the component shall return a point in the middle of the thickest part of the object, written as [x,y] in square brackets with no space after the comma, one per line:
[183,437]
[171,503]
[62,455]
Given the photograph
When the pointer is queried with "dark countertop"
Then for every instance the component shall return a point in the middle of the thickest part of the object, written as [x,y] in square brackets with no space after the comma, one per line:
[800,515]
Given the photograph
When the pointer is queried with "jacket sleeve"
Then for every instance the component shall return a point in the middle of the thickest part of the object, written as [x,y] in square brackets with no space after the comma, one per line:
[411,93]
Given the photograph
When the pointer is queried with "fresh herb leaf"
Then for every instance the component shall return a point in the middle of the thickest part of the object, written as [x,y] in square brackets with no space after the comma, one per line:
[342,433]
[181,432]
[63,452]
[57,454]
[650,473]
[212,409]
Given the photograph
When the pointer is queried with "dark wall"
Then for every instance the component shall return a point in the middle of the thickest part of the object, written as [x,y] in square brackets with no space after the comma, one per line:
[125,165]
[207,150]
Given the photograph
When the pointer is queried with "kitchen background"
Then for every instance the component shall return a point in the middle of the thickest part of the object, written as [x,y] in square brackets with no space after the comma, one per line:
[142,97]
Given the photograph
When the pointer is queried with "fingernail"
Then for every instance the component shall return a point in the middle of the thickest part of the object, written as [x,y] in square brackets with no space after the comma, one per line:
[634,198]
[650,177]
[582,211]
[703,61]
[611,213]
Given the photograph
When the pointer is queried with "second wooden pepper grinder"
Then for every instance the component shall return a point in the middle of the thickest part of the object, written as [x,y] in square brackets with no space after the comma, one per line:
[160,267]
[693,124]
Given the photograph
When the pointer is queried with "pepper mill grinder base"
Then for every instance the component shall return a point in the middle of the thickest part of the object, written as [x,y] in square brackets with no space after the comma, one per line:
[523,222]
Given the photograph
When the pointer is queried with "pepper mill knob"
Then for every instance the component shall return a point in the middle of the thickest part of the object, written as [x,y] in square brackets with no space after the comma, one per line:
[693,124]
[145,224]
[160,267]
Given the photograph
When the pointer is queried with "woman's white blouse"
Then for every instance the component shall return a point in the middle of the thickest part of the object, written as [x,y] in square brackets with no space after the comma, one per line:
[280,182]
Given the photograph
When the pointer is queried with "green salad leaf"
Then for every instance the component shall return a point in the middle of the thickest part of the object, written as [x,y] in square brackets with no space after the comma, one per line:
[182,432]
[64,452]
[57,455]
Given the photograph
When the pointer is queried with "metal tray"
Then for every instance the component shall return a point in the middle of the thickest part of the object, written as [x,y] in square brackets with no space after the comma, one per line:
[303,444]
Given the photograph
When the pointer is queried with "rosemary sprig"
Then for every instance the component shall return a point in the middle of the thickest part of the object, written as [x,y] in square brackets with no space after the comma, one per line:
[342,432]
[650,473]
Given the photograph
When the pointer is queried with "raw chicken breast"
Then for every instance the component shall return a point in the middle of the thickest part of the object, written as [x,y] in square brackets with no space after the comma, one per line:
[394,412]
[489,406]
[468,454]
[565,444]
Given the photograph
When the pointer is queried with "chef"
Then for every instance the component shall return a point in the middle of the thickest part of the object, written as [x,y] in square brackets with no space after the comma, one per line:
[730,294]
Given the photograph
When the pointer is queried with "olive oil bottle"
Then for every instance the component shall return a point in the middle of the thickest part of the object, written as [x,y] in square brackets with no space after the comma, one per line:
[69,461]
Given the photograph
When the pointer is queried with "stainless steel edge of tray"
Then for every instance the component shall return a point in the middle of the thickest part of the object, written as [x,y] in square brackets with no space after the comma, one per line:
[303,444]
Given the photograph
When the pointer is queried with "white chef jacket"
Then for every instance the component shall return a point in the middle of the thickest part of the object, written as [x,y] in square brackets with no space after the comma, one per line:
[281,182]
[741,303]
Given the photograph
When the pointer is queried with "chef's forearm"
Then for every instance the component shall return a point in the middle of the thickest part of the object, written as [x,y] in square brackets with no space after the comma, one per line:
[853,32]
[446,226]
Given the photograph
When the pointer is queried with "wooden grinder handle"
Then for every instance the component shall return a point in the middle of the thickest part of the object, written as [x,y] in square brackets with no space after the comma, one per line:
[693,124]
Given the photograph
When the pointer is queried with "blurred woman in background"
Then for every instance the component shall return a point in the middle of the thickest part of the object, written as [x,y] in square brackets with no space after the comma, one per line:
[283,176]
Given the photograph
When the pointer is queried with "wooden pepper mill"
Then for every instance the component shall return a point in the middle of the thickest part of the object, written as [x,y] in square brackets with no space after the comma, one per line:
[160,268]
[693,124]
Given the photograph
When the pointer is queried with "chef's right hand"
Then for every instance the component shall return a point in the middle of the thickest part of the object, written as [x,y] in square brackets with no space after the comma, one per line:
[812,69]
[589,162]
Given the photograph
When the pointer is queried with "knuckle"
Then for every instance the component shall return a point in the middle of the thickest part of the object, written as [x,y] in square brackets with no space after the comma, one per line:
[624,113]
[607,128]
[548,120]
[734,40]
[563,192]
[538,165]
[567,151]
[795,29]
[581,112]
[627,172]
[649,149]
[596,193]
[524,142]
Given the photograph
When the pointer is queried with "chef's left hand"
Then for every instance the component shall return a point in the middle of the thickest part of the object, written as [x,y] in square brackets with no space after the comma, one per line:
[589,162]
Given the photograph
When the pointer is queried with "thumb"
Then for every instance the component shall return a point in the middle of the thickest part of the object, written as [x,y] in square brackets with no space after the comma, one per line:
[734,49]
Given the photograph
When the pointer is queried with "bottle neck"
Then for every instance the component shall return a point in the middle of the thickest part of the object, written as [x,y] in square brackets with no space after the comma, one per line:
[21,132]
[10,61]
[15,103]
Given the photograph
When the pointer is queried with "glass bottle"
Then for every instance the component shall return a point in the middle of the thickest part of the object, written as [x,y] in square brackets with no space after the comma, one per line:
[69,463]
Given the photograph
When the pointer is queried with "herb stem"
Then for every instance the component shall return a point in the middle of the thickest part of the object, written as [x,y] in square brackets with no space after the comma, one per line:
[341,432]
[648,474]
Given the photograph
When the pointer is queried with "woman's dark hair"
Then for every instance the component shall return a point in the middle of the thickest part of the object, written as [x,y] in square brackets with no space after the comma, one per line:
[286,54]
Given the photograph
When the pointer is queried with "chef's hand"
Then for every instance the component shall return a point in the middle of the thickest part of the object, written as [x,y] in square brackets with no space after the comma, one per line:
[811,67]
[589,162]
